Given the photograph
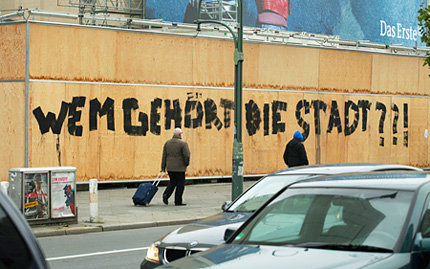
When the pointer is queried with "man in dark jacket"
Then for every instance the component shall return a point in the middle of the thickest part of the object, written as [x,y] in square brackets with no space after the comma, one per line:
[295,153]
[176,158]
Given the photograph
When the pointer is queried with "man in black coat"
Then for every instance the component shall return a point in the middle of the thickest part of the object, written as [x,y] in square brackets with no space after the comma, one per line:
[295,153]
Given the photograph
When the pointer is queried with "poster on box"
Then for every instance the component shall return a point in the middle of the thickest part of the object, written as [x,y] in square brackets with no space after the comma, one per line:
[63,194]
[36,198]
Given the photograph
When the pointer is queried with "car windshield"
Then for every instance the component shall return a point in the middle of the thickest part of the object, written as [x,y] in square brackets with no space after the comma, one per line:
[358,219]
[264,189]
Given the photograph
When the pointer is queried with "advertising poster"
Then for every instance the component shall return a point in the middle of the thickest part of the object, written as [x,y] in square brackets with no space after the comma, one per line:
[383,21]
[36,199]
[63,194]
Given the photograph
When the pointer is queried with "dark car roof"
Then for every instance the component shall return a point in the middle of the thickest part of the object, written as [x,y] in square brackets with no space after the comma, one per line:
[329,169]
[406,180]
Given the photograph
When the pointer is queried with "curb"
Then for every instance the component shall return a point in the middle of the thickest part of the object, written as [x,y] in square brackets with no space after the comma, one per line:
[72,230]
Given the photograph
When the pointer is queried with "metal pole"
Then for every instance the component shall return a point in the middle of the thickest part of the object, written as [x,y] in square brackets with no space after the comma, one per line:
[27,94]
[237,158]
[237,178]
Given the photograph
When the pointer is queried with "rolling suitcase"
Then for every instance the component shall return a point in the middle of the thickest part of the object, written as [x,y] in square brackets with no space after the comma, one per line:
[146,191]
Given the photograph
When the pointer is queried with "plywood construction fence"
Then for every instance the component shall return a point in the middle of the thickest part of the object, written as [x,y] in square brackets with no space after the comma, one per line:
[105,101]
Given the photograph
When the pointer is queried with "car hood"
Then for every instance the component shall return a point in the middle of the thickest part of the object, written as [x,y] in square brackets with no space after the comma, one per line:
[204,233]
[235,256]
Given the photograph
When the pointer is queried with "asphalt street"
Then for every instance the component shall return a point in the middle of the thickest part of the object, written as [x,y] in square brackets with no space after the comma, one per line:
[115,249]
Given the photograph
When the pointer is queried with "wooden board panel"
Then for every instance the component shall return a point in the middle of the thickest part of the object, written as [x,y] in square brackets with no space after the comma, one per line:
[379,129]
[45,149]
[131,148]
[268,125]
[320,124]
[400,150]
[335,139]
[82,148]
[281,67]
[355,121]
[213,63]
[12,128]
[417,108]
[423,78]
[308,115]
[12,52]
[345,71]
[395,74]
[114,56]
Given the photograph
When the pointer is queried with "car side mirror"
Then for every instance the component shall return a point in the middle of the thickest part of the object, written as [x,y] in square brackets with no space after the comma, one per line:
[422,244]
[228,233]
[225,205]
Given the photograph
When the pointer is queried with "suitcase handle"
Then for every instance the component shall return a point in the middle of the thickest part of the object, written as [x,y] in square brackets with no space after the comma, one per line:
[158,179]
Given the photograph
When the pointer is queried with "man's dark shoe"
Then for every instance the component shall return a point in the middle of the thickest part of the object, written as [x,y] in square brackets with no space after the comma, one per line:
[182,204]
[165,200]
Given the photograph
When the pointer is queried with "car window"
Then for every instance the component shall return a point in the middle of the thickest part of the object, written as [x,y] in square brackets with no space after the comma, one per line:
[13,250]
[264,189]
[284,222]
[425,227]
[332,216]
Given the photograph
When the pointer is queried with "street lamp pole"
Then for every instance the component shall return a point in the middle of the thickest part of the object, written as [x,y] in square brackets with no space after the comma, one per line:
[237,178]
[237,165]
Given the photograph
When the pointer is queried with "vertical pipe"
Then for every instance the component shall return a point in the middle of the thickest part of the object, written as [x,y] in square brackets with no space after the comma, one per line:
[237,167]
[27,94]
[94,204]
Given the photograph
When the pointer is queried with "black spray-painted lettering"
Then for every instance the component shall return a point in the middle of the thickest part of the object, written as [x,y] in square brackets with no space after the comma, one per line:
[228,107]
[197,121]
[395,109]
[266,112]
[50,121]
[174,113]
[318,105]
[75,116]
[383,108]
[405,138]
[365,106]
[107,109]
[154,126]
[277,125]
[334,120]
[211,115]
[349,129]
[405,124]
[253,117]
[405,115]
[196,109]
[128,105]
[303,104]
[192,95]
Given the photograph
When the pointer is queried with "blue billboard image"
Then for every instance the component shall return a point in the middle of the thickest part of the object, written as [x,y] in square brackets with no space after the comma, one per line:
[382,21]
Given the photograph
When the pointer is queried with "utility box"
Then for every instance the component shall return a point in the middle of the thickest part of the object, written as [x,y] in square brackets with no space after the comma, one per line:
[44,195]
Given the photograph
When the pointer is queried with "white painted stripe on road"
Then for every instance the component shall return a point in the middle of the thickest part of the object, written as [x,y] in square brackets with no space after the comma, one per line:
[94,254]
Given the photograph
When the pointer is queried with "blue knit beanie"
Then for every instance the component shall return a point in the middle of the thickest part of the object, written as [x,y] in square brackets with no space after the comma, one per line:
[298,134]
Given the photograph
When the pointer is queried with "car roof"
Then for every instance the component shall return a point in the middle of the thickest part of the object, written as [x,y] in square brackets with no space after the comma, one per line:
[329,169]
[406,180]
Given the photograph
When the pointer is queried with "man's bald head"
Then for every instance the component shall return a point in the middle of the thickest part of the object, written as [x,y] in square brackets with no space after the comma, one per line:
[177,132]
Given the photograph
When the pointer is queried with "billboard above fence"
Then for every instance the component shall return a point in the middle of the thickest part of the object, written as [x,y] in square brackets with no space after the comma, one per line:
[383,21]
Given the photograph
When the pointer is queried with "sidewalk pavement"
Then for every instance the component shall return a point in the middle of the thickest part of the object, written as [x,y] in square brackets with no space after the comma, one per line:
[116,210]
